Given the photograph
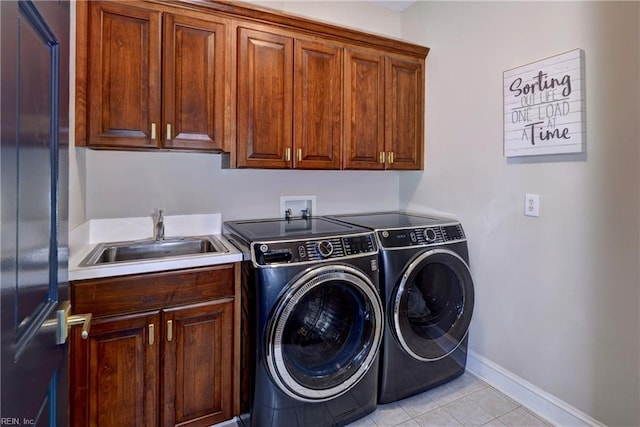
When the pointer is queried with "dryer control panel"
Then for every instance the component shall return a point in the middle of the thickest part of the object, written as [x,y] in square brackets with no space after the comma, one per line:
[421,236]
[312,250]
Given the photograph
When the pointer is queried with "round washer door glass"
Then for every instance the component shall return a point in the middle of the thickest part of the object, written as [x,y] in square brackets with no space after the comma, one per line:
[325,333]
[433,305]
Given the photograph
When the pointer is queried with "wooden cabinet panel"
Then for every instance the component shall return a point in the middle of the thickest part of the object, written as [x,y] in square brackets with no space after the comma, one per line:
[114,373]
[265,97]
[119,295]
[268,89]
[317,106]
[124,75]
[171,360]
[194,82]
[363,110]
[198,363]
[404,119]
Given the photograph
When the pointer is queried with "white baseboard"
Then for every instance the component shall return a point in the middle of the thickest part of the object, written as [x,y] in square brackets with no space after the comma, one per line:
[549,407]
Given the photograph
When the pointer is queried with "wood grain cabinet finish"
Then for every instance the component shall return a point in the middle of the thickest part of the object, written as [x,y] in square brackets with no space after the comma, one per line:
[265,99]
[317,105]
[384,112]
[123,75]
[156,79]
[198,366]
[267,89]
[163,349]
[289,101]
[115,372]
[364,88]
[404,113]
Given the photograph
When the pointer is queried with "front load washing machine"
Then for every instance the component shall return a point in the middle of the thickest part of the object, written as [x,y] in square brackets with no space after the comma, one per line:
[429,296]
[317,321]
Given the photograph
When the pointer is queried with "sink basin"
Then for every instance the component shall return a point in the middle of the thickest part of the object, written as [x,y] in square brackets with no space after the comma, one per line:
[138,250]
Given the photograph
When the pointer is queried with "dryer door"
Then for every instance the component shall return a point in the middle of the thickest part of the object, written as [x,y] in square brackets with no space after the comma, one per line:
[324,334]
[432,305]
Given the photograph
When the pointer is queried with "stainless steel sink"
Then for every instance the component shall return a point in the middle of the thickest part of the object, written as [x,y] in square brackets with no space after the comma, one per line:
[138,250]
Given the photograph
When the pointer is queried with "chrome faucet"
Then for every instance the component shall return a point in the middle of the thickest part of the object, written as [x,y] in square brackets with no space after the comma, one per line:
[160,226]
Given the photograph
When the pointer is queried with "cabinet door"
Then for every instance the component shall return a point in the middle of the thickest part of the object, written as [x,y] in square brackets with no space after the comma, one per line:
[265,97]
[198,366]
[124,75]
[317,106]
[363,110]
[114,374]
[404,113]
[194,80]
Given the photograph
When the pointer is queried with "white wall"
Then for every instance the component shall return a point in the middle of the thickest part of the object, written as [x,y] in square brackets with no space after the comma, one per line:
[119,184]
[557,297]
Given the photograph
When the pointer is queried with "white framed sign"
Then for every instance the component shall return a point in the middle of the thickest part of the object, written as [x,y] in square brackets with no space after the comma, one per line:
[544,106]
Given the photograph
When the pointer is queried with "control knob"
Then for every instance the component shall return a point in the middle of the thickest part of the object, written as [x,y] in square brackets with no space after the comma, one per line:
[325,248]
[430,235]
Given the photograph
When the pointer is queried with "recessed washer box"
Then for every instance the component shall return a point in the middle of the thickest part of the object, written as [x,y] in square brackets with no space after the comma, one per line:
[298,206]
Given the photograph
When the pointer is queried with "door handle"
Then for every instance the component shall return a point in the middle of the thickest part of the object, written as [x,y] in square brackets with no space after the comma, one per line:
[63,321]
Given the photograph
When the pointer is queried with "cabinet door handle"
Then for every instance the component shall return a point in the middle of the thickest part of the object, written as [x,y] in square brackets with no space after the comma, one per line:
[382,156]
[287,154]
[299,150]
[390,157]
[153,131]
[152,334]
[168,131]
[169,330]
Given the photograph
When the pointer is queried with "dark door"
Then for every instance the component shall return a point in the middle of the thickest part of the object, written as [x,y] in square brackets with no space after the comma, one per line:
[33,209]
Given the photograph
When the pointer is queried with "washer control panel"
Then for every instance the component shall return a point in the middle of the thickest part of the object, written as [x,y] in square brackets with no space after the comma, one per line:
[422,236]
[313,250]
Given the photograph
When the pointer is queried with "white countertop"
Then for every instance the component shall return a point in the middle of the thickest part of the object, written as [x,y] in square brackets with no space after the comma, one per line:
[84,238]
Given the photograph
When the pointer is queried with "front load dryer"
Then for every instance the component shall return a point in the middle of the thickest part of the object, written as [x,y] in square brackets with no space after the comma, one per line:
[428,295]
[316,319]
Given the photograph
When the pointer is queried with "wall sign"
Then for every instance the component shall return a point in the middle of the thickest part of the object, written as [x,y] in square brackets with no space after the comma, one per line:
[544,106]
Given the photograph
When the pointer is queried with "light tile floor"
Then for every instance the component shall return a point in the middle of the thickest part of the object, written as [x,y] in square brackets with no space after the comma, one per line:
[465,401]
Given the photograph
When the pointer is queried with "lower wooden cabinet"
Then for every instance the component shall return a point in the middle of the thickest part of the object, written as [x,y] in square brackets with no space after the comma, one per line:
[198,365]
[166,366]
[114,373]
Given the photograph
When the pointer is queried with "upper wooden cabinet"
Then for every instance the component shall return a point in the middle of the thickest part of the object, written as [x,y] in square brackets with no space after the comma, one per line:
[156,79]
[364,86]
[265,99]
[404,113]
[268,89]
[124,75]
[384,111]
[193,81]
[289,101]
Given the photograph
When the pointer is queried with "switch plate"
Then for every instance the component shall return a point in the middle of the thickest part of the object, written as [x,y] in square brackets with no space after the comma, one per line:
[532,204]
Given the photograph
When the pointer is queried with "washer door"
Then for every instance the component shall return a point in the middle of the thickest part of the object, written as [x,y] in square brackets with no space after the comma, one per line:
[432,305]
[324,334]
